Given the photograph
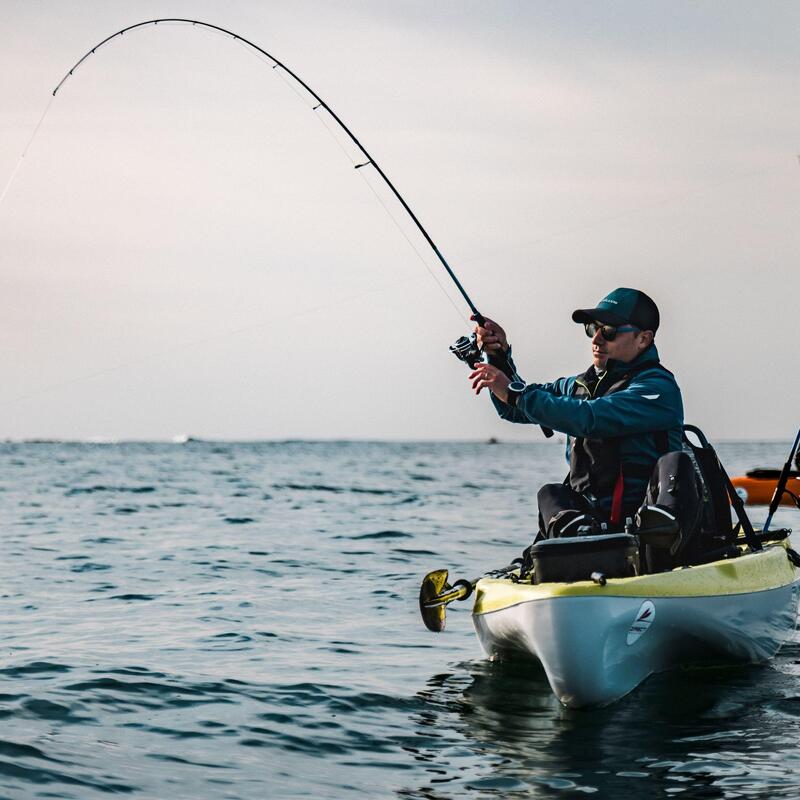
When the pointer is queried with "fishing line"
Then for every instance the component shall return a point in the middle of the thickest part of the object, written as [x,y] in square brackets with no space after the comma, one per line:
[414,248]
[25,151]
[354,162]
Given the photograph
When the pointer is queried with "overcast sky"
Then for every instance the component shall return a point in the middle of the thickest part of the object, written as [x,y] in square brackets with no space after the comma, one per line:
[186,249]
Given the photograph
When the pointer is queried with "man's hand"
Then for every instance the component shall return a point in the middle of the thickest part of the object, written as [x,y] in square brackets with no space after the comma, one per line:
[488,377]
[491,337]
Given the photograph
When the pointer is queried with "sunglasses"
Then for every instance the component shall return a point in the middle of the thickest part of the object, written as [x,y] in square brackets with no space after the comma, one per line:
[608,332]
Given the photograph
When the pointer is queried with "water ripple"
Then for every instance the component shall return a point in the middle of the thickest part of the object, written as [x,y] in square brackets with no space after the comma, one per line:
[260,637]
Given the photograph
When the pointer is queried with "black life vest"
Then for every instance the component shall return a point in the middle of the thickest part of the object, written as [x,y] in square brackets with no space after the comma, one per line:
[594,465]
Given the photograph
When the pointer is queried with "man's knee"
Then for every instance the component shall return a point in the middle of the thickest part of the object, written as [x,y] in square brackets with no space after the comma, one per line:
[561,511]
[553,494]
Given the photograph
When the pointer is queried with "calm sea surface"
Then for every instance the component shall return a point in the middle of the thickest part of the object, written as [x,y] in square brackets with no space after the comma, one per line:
[240,621]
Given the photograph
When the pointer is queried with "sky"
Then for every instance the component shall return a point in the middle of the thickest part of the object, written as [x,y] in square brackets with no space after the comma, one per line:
[187,249]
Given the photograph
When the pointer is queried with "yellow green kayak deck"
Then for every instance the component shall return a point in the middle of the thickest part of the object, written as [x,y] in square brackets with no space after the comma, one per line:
[752,572]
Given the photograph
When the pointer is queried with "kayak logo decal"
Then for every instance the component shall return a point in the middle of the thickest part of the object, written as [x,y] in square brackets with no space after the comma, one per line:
[645,617]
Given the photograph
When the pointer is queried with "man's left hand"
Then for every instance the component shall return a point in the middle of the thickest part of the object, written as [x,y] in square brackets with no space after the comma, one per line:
[488,377]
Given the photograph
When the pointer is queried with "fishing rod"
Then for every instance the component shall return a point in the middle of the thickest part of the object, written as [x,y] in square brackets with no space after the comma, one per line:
[277,64]
[780,487]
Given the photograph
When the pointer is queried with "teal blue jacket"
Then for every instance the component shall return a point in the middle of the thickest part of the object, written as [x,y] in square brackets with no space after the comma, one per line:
[651,402]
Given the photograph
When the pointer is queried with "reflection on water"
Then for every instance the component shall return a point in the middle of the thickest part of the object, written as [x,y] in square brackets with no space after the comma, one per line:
[722,732]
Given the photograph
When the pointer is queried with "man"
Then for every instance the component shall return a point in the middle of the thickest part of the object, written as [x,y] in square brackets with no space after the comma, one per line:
[620,416]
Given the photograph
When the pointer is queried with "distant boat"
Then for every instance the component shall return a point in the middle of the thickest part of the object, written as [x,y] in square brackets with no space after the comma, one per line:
[184,438]
[757,486]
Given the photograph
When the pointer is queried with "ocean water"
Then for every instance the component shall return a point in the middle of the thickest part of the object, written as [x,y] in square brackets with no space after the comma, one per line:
[212,620]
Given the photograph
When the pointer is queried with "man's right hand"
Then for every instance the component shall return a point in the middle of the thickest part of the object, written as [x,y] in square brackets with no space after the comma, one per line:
[491,337]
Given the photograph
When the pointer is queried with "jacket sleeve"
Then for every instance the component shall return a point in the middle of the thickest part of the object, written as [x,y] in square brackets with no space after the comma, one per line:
[558,388]
[651,402]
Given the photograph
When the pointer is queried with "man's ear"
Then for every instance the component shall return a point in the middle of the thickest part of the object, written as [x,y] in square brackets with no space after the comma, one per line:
[646,338]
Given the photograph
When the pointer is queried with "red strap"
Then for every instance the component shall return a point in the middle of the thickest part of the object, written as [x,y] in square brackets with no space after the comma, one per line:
[616,499]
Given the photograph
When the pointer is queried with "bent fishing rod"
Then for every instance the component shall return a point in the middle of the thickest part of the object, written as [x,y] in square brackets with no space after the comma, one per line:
[277,64]
[465,348]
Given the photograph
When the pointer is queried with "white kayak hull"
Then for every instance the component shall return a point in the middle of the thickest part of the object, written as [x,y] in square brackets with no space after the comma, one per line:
[597,643]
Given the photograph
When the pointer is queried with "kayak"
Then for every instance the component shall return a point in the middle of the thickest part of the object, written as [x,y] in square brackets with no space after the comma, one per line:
[597,640]
[757,487]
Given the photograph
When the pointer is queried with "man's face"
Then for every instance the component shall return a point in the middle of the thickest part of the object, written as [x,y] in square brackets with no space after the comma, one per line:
[625,347]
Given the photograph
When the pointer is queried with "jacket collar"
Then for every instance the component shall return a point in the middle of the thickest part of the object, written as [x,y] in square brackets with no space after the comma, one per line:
[647,357]
[619,368]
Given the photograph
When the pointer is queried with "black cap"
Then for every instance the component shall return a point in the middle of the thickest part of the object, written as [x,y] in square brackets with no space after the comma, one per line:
[622,307]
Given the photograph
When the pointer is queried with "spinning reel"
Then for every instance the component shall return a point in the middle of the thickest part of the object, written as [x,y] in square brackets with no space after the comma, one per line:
[466,349]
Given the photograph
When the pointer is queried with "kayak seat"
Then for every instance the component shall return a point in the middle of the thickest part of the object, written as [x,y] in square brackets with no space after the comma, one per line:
[668,520]
[691,486]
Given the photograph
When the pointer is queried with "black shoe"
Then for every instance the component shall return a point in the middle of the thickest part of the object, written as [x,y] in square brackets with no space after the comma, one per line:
[657,527]
[568,523]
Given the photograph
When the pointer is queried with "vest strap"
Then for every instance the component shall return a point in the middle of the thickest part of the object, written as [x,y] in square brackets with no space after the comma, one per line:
[616,498]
